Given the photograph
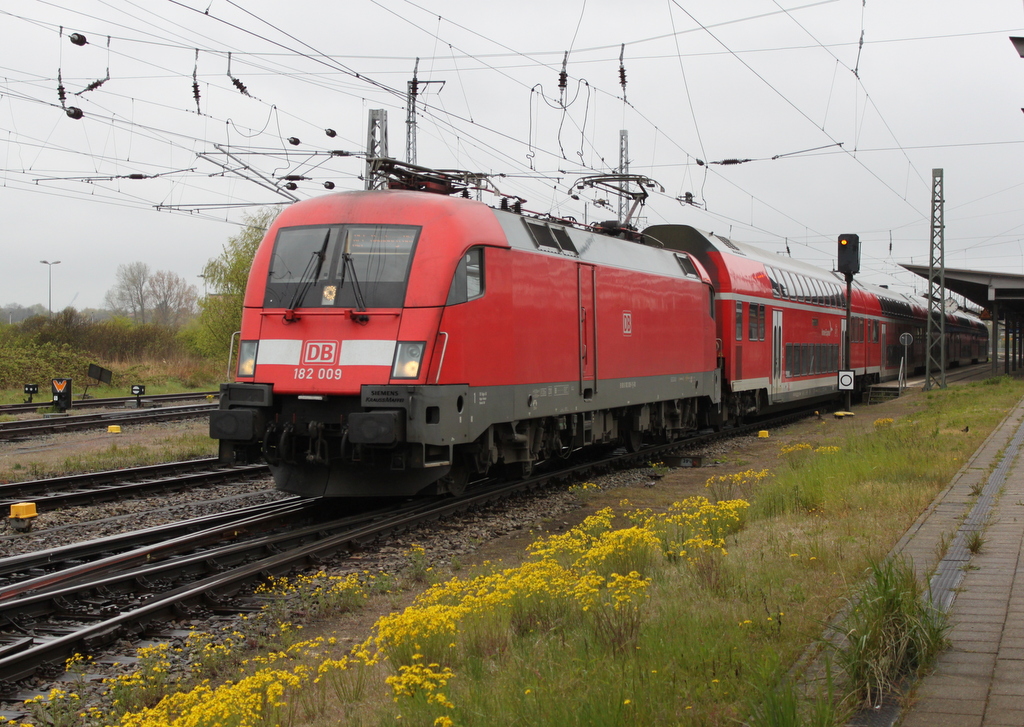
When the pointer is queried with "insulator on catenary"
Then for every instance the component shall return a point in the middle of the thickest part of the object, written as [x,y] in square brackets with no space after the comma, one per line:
[239,85]
[294,141]
[291,185]
[563,75]
[331,133]
[622,69]
[77,39]
[74,112]
[328,185]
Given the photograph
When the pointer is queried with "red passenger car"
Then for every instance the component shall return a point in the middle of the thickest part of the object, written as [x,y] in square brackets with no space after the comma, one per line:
[781,324]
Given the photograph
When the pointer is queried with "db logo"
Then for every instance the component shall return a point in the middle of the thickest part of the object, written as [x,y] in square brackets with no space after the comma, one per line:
[627,323]
[320,352]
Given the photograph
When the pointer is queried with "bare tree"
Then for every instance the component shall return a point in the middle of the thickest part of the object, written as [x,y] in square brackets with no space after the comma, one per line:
[129,294]
[172,301]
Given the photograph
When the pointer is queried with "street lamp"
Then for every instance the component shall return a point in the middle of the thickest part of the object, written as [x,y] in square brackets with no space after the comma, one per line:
[49,287]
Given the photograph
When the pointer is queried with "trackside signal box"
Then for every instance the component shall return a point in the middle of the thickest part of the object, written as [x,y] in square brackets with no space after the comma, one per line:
[61,389]
[849,254]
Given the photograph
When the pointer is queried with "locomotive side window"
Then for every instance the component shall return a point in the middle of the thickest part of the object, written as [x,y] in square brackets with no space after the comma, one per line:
[468,282]
[341,266]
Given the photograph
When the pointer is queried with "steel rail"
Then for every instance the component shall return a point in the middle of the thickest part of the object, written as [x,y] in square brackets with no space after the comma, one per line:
[93,487]
[109,401]
[36,427]
[16,570]
[98,621]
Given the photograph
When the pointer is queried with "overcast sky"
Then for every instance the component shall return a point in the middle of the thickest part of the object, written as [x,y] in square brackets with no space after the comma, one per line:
[841,136]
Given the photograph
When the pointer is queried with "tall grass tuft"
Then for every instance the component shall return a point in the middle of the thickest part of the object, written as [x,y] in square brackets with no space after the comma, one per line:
[891,633]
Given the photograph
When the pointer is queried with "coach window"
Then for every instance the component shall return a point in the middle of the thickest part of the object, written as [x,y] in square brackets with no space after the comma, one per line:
[760,322]
[739,320]
[468,282]
[787,284]
[775,280]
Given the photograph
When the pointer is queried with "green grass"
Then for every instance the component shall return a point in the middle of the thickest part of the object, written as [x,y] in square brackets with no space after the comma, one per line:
[891,633]
[192,445]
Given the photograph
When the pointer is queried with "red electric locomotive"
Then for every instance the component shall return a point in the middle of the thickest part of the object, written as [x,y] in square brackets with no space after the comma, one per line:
[395,341]
[781,324]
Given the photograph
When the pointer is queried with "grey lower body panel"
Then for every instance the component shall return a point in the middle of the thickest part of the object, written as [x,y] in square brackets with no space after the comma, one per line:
[452,415]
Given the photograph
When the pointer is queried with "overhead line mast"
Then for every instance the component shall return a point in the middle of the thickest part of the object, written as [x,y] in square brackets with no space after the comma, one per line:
[935,356]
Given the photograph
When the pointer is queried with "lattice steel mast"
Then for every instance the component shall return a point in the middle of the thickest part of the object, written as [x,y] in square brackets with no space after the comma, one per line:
[935,348]
[376,147]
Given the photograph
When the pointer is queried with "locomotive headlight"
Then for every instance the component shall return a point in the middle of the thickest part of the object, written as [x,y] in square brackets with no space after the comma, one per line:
[247,358]
[408,357]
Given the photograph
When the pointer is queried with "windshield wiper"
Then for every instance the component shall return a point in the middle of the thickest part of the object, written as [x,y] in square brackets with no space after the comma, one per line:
[315,265]
[349,265]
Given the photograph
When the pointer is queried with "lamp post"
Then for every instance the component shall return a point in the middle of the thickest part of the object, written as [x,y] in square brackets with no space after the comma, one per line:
[49,285]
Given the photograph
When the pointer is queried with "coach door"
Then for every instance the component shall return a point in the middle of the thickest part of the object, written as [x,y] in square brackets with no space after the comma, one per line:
[587,298]
[777,344]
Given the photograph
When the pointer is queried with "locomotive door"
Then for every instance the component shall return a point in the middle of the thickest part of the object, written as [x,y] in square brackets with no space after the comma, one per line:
[586,287]
[776,382]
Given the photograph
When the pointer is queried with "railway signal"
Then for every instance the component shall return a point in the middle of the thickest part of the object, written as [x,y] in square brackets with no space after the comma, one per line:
[849,254]
[61,390]
[849,265]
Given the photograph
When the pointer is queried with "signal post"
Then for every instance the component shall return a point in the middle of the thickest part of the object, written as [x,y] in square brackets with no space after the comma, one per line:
[849,265]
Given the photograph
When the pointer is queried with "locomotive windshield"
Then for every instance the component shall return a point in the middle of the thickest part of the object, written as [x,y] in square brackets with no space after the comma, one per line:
[330,266]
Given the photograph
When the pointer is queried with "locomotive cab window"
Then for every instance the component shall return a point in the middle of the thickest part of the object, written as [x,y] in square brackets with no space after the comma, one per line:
[341,266]
[468,283]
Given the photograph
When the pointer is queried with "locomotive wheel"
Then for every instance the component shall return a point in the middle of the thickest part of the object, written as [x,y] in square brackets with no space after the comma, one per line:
[634,440]
[456,480]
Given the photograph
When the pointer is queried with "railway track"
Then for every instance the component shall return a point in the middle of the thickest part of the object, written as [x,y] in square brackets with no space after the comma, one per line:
[110,401]
[93,487]
[24,429]
[82,598]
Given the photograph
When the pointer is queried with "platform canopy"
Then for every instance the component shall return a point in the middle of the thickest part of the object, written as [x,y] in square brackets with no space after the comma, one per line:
[999,292]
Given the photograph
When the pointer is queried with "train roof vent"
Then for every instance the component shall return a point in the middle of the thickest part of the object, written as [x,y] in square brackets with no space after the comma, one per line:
[555,238]
[564,241]
[686,265]
[541,235]
[729,243]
